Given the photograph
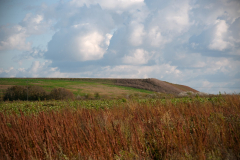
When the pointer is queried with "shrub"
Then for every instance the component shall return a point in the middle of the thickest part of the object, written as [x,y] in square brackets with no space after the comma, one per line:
[124,100]
[97,95]
[24,93]
[89,96]
[15,93]
[61,94]
[36,93]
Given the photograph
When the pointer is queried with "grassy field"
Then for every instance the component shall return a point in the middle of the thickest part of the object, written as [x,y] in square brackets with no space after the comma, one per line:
[174,128]
[142,125]
[80,87]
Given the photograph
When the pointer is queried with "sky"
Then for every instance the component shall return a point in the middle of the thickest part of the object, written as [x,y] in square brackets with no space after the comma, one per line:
[189,42]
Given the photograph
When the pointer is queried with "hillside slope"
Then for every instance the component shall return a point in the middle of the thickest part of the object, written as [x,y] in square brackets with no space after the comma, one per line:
[153,84]
[104,86]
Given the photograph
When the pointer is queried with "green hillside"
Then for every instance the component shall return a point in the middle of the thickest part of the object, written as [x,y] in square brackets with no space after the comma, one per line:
[80,87]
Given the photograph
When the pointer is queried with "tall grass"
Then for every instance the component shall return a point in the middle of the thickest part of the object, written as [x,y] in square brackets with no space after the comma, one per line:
[181,130]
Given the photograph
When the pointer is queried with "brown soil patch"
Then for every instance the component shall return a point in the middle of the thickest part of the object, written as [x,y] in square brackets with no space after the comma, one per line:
[152,84]
[102,89]
[5,86]
[36,83]
[185,88]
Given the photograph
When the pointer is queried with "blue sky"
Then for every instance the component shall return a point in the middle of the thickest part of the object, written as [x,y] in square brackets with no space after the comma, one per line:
[189,42]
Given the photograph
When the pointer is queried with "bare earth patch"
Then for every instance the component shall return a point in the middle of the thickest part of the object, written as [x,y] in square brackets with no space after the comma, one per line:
[150,84]
[5,86]
[102,89]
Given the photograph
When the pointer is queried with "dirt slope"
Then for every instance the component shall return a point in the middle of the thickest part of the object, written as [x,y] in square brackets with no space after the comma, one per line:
[153,84]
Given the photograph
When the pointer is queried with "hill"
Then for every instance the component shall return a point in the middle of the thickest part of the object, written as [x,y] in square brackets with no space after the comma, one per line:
[104,86]
[155,85]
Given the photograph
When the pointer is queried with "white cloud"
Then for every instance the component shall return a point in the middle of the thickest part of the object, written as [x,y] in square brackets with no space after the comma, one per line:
[81,43]
[206,84]
[138,56]
[33,53]
[176,41]
[10,72]
[155,37]
[206,13]
[37,69]
[108,38]
[137,33]
[35,24]
[218,42]
[89,46]
[164,25]
[15,38]
[231,10]
[128,71]
[37,19]
[109,4]
[176,16]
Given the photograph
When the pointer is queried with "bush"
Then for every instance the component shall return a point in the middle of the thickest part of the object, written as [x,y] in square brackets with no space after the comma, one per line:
[61,94]
[97,95]
[15,93]
[36,93]
[24,93]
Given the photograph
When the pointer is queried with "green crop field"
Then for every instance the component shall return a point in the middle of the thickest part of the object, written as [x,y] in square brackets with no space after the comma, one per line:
[35,107]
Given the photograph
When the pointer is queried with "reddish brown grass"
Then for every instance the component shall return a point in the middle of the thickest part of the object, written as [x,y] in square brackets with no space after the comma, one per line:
[193,130]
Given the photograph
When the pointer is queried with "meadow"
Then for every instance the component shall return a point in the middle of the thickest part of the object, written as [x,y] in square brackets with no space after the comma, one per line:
[124,128]
[79,87]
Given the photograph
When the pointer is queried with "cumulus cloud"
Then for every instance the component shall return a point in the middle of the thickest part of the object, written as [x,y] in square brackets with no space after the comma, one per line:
[81,43]
[218,42]
[118,5]
[155,37]
[129,71]
[137,33]
[89,46]
[138,56]
[188,42]
[37,69]
[35,24]
[15,37]
[33,53]
[207,13]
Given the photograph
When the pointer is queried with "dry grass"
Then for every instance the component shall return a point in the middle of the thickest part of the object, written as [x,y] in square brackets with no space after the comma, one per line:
[185,130]
[5,87]
[104,90]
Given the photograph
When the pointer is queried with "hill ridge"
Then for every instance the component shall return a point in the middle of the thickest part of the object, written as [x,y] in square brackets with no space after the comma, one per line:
[154,84]
[150,84]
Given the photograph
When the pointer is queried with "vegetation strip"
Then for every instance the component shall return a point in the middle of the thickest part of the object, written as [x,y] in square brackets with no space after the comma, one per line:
[179,128]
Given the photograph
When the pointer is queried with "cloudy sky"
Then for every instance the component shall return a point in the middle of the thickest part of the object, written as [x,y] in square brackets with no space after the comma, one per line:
[189,42]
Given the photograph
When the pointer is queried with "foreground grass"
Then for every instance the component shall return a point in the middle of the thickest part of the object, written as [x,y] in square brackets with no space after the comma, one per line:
[199,128]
